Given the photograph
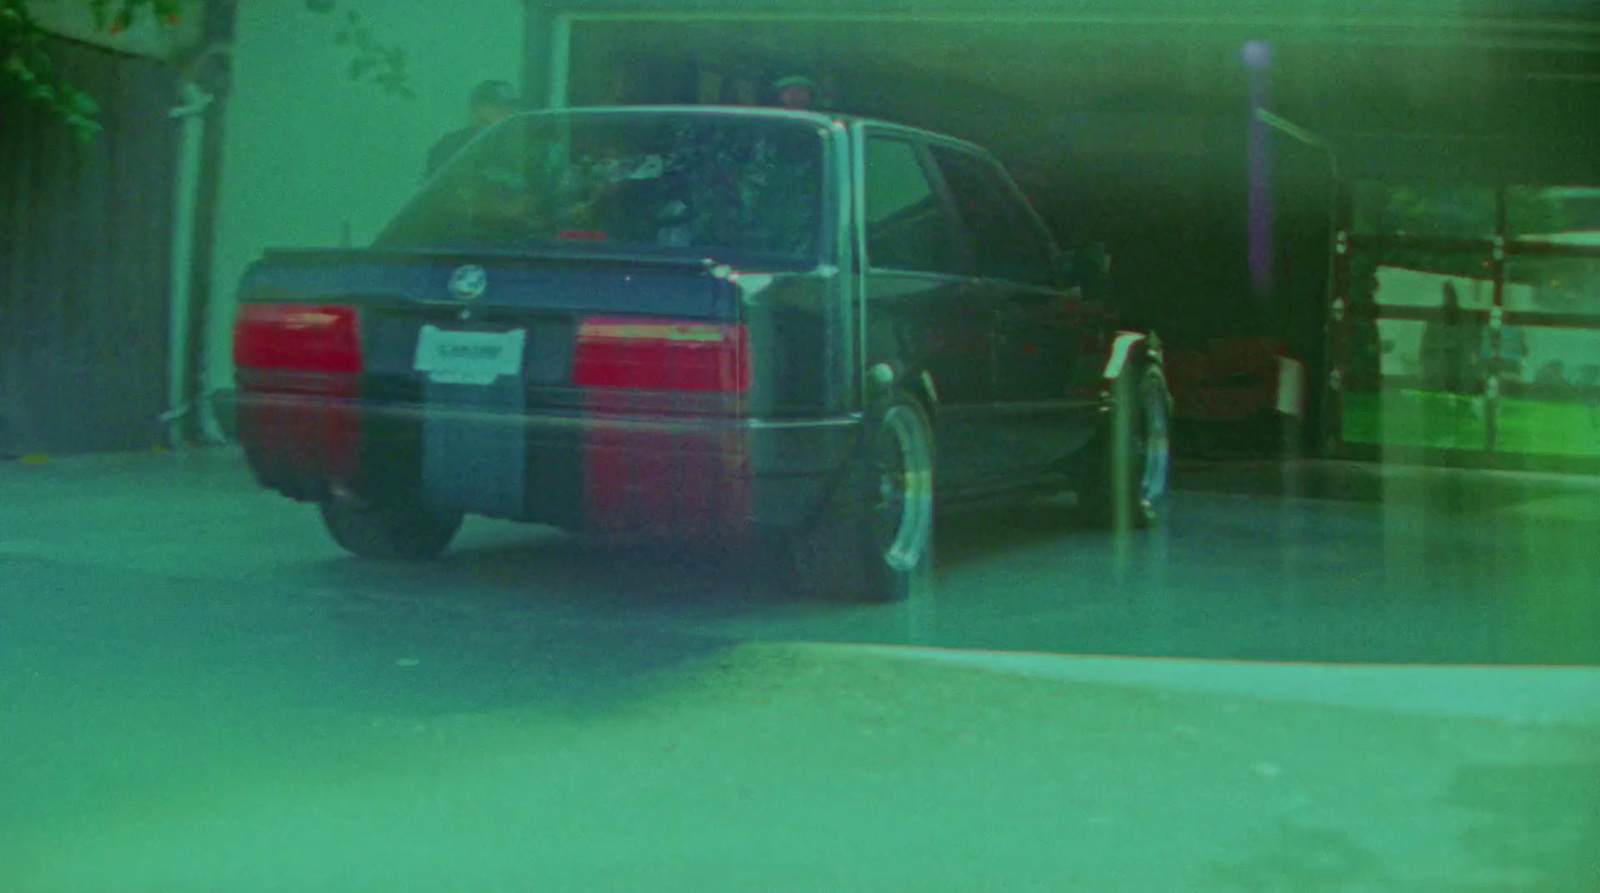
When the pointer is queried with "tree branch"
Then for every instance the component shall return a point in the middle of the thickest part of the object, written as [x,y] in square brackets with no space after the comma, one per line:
[26,69]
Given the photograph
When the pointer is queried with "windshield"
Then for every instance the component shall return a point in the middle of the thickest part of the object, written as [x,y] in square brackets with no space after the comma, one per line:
[728,186]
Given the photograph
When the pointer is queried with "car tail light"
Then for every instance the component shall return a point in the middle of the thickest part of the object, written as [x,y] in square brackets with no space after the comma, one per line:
[662,355]
[297,338]
[303,363]
[664,481]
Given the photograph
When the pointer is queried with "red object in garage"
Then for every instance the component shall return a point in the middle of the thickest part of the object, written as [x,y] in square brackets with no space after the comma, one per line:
[1236,380]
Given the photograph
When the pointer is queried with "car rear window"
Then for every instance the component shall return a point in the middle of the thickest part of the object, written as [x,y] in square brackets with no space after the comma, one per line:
[713,185]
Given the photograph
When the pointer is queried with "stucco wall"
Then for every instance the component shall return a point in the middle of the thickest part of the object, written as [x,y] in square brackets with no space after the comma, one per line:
[308,152]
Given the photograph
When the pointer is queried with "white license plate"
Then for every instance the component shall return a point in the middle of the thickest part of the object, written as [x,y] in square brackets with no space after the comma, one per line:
[450,357]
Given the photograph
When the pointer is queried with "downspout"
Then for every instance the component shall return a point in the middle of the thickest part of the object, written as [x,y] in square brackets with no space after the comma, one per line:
[195,216]
[191,114]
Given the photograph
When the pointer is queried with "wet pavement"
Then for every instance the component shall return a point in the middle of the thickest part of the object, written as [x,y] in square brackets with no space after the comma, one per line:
[200,691]
[1319,562]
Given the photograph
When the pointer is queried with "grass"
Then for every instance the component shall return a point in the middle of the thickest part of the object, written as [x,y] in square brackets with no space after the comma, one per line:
[1447,421]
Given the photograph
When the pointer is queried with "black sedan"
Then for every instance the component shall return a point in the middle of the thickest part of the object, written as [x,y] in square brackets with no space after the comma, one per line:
[773,328]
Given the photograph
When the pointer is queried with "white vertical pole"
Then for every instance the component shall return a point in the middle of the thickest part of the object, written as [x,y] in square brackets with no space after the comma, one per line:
[560,60]
[186,194]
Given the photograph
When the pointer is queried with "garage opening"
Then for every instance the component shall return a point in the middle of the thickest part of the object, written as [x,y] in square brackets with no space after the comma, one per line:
[1473,335]
[1140,134]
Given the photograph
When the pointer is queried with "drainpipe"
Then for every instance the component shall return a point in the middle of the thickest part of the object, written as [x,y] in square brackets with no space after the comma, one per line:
[188,387]
[191,115]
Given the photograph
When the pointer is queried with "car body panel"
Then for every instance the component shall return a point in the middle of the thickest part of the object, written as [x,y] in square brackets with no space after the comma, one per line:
[1012,375]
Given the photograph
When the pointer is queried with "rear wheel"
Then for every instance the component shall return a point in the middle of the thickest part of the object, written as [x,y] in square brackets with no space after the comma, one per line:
[388,532]
[874,542]
[1127,482]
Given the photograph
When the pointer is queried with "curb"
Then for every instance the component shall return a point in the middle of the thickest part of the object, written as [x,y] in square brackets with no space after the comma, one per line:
[1512,694]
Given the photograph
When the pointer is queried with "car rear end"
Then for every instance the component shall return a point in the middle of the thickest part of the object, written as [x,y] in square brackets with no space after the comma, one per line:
[580,377]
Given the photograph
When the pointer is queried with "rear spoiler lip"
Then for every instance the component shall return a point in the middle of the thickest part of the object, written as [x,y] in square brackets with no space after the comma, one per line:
[345,256]
[345,275]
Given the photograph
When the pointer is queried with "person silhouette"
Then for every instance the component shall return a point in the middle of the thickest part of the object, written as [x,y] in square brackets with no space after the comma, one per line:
[797,93]
[490,103]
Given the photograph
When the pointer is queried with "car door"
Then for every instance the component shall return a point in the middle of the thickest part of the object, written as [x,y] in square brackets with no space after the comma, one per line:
[1046,337]
[922,313]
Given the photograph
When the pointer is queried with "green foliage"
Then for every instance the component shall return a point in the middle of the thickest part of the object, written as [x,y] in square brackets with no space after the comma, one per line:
[26,69]
[374,62]
[117,15]
[1449,212]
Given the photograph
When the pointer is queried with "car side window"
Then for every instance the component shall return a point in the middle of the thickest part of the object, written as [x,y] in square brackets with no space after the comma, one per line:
[1006,241]
[907,226]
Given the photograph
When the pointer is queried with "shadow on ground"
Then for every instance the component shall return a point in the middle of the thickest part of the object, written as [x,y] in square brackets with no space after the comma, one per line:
[1433,490]
[1532,829]
[1305,859]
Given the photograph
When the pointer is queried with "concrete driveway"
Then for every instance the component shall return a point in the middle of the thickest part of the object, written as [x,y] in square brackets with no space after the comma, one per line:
[197,692]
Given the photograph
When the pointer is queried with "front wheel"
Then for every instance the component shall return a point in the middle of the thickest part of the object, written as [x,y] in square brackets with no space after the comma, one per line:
[388,532]
[874,541]
[1129,473]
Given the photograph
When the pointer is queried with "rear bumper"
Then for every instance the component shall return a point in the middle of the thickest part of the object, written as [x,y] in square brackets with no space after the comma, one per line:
[601,472]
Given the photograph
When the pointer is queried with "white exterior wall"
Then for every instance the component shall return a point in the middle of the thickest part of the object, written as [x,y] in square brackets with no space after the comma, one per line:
[307,152]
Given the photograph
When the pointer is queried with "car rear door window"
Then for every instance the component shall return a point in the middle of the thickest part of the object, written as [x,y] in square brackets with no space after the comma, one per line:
[908,227]
[1006,241]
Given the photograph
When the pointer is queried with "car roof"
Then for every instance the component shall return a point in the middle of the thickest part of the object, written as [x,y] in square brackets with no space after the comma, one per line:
[765,112]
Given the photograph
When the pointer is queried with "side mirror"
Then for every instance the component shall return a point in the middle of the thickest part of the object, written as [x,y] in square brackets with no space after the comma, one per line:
[1069,268]
[1086,267]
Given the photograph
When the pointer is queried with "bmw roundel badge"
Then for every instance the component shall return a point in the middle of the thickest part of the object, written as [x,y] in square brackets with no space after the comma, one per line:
[469,282]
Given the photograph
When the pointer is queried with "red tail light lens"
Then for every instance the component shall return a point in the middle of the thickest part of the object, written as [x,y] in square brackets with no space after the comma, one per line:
[300,351]
[297,338]
[666,355]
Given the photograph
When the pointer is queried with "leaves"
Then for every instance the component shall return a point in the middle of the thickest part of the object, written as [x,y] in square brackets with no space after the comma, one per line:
[27,70]
[29,73]
[1450,211]
[102,12]
[116,16]
[374,62]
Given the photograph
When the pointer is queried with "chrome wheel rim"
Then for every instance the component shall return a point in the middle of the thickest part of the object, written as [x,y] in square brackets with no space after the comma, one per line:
[1153,448]
[903,491]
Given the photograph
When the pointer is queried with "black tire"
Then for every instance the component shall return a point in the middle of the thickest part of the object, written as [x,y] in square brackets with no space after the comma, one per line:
[873,541]
[1128,478]
[388,532]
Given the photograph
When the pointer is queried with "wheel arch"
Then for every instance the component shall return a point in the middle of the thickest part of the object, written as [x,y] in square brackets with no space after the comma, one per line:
[893,377]
[1134,350]
[1130,347]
